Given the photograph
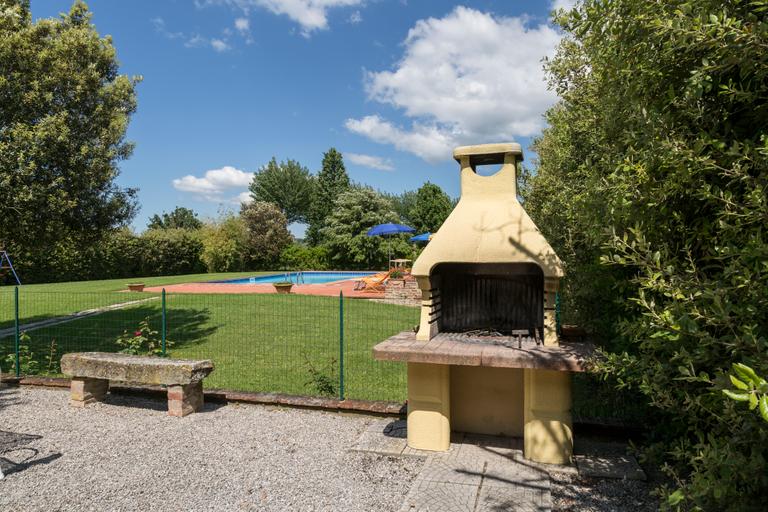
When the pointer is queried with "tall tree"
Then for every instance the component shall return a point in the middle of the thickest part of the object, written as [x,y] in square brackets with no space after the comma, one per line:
[354,213]
[268,232]
[403,204]
[653,182]
[431,207]
[332,181]
[179,218]
[287,184]
[64,113]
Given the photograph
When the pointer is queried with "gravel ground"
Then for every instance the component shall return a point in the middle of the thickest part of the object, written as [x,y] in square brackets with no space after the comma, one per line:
[574,493]
[128,454]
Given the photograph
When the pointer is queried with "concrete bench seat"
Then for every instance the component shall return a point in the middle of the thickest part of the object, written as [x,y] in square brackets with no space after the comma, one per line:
[92,371]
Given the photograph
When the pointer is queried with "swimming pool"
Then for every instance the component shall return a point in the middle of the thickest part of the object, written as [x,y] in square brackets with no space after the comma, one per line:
[299,278]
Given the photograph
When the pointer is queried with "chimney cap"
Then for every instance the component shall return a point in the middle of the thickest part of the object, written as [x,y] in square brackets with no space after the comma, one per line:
[484,154]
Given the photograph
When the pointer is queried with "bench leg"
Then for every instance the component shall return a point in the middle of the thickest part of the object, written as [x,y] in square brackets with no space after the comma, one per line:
[183,400]
[84,391]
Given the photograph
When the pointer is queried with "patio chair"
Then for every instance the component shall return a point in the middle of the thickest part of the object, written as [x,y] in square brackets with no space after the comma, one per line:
[372,283]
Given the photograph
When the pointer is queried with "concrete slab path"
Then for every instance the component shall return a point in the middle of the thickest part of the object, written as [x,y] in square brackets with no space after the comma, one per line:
[478,473]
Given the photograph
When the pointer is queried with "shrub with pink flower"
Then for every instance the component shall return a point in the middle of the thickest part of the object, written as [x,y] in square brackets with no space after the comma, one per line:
[143,341]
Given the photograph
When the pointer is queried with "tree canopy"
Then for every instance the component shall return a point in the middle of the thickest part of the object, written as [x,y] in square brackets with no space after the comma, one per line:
[332,181]
[354,213]
[179,218]
[651,185]
[65,110]
[287,184]
[268,232]
[430,208]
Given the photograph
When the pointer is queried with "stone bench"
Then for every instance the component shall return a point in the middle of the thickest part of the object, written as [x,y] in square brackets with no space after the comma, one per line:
[92,371]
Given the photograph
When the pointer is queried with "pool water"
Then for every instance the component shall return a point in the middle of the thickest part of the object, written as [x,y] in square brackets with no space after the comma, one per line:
[299,278]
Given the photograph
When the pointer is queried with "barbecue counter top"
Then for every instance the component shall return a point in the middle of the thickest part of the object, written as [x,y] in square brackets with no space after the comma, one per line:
[494,352]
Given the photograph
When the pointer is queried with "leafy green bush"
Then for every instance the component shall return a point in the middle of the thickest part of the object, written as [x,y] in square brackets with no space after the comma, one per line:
[143,341]
[28,364]
[225,244]
[301,257]
[652,186]
[170,252]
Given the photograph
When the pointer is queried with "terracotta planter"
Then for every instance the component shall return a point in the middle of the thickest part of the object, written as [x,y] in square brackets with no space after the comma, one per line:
[283,287]
[136,287]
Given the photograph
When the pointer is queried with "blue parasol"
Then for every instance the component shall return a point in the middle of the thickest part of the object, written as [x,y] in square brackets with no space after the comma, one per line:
[424,237]
[389,229]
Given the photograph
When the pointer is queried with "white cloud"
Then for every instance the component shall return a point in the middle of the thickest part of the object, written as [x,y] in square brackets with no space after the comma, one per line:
[469,77]
[355,18]
[195,41]
[243,198]
[374,162]
[426,141]
[160,28]
[219,45]
[215,183]
[191,40]
[242,25]
[311,15]
[563,4]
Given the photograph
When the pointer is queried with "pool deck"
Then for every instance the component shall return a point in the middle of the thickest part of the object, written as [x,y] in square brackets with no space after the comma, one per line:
[322,289]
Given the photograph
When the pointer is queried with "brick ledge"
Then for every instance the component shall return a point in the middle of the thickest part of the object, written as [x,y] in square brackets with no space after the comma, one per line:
[223,395]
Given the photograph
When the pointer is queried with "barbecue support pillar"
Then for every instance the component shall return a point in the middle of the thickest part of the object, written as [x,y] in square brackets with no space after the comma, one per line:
[429,406]
[548,434]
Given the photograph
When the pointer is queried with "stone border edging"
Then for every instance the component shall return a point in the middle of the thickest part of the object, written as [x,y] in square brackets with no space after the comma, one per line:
[223,395]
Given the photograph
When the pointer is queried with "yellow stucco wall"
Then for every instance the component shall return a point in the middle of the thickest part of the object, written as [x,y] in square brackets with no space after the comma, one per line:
[548,433]
[429,406]
[487,400]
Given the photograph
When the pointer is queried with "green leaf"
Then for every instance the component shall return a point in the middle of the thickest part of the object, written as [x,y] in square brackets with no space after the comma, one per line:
[764,407]
[676,497]
[739,397]
[746,373]
[737,383]
[752,401]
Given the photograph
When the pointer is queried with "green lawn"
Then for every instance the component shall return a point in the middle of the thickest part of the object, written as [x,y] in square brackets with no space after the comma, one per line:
[257,342]
[41,301]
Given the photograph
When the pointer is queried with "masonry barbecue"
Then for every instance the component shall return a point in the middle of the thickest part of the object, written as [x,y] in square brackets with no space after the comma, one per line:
[486,357]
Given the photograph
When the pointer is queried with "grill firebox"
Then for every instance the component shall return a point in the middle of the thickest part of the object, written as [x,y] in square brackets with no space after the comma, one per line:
[500,298]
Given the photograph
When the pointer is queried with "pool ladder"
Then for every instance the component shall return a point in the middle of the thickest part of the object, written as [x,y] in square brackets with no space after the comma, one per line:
[299,277]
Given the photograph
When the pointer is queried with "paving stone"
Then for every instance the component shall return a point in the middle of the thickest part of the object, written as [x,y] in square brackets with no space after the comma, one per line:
[465,472]
[506,472]
[440,497]
[374,442]
[513,499]
[610,466]
[378,425]
[568,469]
[412,452]
[397,429]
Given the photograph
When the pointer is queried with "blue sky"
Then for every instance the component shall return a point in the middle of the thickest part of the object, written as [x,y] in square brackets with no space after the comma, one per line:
[392,84]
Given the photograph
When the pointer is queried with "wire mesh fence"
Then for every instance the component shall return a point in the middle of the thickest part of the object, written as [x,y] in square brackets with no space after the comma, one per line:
[293,344]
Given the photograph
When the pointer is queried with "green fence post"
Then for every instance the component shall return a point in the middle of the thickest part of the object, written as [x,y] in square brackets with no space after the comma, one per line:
[163,324]
[341,345]
[16,325]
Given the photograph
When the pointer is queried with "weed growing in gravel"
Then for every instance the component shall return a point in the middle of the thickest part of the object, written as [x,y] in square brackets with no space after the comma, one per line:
[322,381]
